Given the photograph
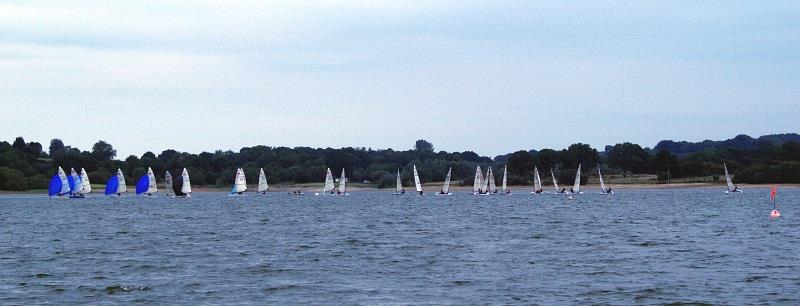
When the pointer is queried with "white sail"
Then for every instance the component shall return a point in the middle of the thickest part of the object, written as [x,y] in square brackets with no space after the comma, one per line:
[576,188]
[77,179]
[728,177]
[446,187]
[416,180]
[600,175]
[328,182]
[186,186]
[121,179]
[476,187]
[492,187]
[555,183]
[342,183]
[64,182]
[399,187]
[241,181]
[151,187]
[168,183]
[537,181]
[485,180]
[262,181]
[86,186]
[504,187]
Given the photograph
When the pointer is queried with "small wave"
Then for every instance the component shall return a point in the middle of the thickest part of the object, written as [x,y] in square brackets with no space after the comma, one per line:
[114,289]
[755,278]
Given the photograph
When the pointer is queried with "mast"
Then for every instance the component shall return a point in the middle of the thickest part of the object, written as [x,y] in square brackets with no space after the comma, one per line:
[446,187]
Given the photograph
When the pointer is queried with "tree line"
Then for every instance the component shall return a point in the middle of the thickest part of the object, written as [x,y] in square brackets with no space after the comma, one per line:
[26,165]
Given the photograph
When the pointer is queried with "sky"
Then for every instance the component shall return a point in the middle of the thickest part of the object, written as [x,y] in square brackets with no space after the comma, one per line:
[486,76]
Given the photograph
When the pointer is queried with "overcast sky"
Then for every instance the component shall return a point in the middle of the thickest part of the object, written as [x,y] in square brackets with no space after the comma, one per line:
[488,76]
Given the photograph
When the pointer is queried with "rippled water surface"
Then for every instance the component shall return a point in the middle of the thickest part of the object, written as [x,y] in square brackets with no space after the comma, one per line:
[636,247]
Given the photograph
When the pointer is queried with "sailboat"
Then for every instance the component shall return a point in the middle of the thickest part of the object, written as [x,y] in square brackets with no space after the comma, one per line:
[239,183]
[555,183]
[86,186]
[491,187]
[731,187]
[182,186]
[59,185]
[399,190]
[116,184]
[504,188]
[262,182]
[168,184]
[75,185]
[342,184]
[576,187]
[328,187]
[477,187]
[603,189]
[417,184]
[147,183]
[537,181]
[446,187]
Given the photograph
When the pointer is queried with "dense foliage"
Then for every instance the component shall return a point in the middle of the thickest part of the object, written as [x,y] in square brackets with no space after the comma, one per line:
[769,159]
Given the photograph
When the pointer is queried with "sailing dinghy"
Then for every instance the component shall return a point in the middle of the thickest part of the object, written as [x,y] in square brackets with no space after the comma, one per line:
[262,182]
[731,187]
[603,189]
[555,183]
[328,187]
[239,183]
[147,184]
[478,184]
[399,190]
[168,184]
[182,186]
[417,184]
[75,185]
[59,185]
[537,181]
[342,184]
[446,187]
[86,186]
[504,188]
[576,187]
[116,185]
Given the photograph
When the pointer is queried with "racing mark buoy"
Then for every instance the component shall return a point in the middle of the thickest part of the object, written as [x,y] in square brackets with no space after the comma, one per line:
[775,214]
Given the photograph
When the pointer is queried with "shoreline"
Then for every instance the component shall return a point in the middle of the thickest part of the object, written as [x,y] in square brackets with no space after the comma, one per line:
[433,187]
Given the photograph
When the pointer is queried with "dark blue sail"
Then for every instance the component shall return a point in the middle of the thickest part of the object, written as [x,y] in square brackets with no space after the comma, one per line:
[71,182]
[55,186]
[142,184]
[112,185]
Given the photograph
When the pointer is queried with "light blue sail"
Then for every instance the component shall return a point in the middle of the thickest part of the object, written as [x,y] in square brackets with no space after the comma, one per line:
[112,185]
[71,183]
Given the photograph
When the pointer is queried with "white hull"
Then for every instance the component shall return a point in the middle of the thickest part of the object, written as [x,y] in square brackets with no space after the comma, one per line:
[439,193]
[730,192]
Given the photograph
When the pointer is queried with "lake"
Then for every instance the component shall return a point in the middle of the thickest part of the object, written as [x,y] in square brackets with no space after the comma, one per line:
[635,247]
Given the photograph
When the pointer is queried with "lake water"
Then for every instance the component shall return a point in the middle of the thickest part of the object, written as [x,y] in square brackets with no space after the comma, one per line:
[635,247]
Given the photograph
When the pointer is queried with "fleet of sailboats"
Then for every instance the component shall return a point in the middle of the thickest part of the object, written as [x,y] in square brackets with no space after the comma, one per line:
[77,184]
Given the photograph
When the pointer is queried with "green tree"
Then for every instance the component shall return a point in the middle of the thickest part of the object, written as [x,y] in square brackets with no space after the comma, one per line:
[103,151]
[423,145]
[629,157]
[521,163]
[56,147]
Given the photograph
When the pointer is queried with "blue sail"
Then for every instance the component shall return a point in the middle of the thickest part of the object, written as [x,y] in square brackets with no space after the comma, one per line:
[55,186]
[71,182]
[233,190]
[142,184]
[112,185]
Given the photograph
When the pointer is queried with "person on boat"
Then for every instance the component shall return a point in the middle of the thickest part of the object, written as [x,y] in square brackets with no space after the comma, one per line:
[421,192]
[563,190]
[735,188]
[608,190]
[508,191]
[403,191]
